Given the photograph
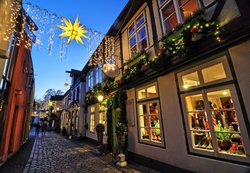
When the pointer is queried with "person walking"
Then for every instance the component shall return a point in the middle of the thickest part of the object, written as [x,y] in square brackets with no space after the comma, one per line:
[44,128]
[37,128]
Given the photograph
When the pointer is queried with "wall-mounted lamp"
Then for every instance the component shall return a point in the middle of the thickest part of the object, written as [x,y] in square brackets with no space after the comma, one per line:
[100,98]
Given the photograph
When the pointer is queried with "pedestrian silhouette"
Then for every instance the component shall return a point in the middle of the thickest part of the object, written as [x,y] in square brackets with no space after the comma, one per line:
[44,128]
[37,129]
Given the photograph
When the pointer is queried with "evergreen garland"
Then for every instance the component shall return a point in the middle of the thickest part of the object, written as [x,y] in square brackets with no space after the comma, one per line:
[118,101]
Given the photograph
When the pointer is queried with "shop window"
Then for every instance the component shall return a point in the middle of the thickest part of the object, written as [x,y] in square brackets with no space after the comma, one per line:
[190,80]
[92,119]
[146,93]
[175,11]
[210,114]
[213,73]
[137,34]
[150,130]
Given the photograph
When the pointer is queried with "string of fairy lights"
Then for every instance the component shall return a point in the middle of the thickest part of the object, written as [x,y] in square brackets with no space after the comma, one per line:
[100,47]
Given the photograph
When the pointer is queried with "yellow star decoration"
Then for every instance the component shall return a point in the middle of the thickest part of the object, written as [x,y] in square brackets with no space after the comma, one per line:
[75,31]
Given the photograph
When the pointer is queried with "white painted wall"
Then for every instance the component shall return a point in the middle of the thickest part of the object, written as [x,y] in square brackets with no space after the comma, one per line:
[176,153]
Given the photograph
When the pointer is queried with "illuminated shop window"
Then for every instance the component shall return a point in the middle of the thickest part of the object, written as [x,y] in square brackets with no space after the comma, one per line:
[150,129]
[210,113]
[172,10]
[147,92]
[213,73]
[92,119]
[190,80]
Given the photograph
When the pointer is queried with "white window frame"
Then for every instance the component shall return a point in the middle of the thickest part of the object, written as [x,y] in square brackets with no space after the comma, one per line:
[203,91]
[92,119]
[179,15]
[98,75]
[146,101]
[135,33]
[90,80]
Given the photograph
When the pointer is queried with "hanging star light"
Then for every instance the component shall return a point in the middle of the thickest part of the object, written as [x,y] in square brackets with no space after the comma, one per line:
[75,31]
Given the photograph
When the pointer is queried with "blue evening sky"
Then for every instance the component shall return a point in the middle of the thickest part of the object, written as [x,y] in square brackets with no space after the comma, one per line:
[50,70]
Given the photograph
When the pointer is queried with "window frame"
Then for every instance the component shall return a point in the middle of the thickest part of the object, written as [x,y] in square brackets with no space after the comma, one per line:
[92,120]
[90,80]
[98,75]
[204,89]
[146,101]
[135,33]
[199,68]
[179,15]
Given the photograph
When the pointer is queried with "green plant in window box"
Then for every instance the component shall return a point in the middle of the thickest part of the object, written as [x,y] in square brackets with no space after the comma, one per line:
[223,136]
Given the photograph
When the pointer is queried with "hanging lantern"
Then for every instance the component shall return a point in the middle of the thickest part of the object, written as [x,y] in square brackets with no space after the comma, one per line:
[111,70]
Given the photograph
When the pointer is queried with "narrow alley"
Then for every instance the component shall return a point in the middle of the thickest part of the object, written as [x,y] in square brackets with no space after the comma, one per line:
[54,153]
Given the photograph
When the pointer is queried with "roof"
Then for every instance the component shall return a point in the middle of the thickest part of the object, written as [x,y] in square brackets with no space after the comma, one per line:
[127,13]
[56,97]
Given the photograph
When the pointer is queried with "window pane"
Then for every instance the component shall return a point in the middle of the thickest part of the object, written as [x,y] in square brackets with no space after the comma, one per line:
[140,21]
[92,109]
[198,123]
[162,1]
[188,7]
[142,34]
[168,10]
[169,17]
[144,122]
[132,41]
[213,73]
[170,23]
[190,80]
[131,29]
[92,122]
[142,38]
[141,94]
[151,91]
[145,133]
[142,109]
[225,122]
[153,108]
[156,134]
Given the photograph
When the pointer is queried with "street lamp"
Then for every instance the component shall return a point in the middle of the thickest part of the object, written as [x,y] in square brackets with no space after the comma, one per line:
[100,98]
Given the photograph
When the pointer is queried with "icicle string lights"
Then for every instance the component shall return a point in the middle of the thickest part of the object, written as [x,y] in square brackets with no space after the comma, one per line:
[104,52]
[43,19]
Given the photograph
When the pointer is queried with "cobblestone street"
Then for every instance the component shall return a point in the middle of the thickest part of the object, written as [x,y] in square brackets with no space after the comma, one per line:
[54,153]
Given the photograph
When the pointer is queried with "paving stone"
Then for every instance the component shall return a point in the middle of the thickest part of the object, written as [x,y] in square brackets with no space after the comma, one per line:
[54,153]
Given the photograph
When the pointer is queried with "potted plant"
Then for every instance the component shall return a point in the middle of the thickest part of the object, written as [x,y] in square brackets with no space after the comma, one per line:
[99,130]
[121,130]
[223,136]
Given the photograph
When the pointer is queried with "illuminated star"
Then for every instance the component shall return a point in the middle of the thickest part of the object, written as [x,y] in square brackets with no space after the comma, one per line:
[75,31]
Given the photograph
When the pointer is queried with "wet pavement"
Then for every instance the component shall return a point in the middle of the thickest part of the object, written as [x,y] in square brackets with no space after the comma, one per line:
[54,153]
